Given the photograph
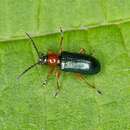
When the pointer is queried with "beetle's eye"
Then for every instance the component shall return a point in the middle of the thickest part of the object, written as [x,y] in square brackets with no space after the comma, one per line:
[40,60]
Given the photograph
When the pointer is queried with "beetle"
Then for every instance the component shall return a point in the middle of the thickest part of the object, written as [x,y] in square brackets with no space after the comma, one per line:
[79,63]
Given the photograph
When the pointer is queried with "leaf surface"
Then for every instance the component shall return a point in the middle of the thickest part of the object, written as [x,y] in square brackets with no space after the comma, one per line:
[102,28]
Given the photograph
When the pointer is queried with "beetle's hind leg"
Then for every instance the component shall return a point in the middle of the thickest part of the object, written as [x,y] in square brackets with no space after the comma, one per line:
[83,51]
[81,77]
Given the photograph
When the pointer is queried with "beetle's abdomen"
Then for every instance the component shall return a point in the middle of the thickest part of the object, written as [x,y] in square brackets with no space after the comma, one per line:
[79,63]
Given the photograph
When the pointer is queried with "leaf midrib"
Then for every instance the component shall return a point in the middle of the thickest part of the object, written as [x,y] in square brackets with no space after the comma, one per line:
[85,28]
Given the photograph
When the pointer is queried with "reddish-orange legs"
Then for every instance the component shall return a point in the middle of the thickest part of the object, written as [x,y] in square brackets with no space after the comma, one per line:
[61,41]
[82,51]
[58,74]
[66,61]
[81,77]
[48,76]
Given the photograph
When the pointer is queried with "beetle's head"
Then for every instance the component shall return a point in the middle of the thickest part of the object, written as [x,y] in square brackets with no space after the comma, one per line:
[42,59]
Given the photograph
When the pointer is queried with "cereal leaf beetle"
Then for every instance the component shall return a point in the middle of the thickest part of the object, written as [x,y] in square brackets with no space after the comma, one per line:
[79,63]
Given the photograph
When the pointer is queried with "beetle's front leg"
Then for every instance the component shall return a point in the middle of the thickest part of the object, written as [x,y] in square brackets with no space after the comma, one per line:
[48,76]
[61,40]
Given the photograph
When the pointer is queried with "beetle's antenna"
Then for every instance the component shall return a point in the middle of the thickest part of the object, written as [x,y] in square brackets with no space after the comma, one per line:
[30,67]
[34,45]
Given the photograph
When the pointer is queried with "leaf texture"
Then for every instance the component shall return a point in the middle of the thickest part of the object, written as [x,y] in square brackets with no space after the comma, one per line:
[102,28]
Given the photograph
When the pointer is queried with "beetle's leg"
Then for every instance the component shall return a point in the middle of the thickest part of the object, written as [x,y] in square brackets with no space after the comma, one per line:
[58,74]
[48,76]
[50,51]
[82,51]
[61,40]
[81,77]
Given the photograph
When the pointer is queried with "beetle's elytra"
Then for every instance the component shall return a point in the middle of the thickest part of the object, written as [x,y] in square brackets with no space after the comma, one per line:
[79,63]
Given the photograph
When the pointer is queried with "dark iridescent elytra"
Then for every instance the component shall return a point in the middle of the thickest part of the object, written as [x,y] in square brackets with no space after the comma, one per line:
[79,63]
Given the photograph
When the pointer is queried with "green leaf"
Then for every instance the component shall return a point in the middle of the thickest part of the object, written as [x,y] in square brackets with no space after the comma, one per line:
[102,28]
